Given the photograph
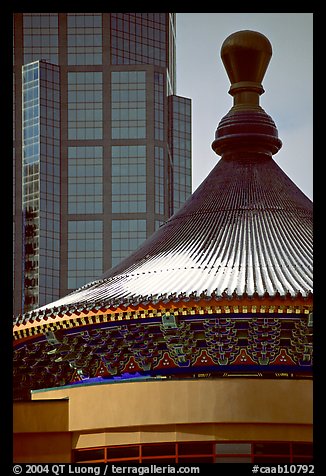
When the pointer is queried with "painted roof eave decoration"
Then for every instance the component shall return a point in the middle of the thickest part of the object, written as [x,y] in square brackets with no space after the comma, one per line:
[79,318]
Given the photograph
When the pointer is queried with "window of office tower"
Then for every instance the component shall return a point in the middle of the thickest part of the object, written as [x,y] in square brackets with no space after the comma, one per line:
[128,178]
[128,104]
[85,105]
[40,37]
[138,38]
[85,179]
[159,179]
[84,32]
[85,251]
[180,131]
[158,106]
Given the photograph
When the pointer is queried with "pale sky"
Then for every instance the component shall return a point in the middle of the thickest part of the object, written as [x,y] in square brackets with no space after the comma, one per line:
[288,85]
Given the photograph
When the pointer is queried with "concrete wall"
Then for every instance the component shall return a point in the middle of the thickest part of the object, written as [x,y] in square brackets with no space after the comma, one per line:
[168,410]
[165,402]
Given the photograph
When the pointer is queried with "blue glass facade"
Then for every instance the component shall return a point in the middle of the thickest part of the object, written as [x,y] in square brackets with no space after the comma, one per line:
[85,179]
[41,182]
[84,38]
[41,37]
[85,248]
[128,178]
[85,105]
[139,38]
[180,143]
[128,106]
[159,172]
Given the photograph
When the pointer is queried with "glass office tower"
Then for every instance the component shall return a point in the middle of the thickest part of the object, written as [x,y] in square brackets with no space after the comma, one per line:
[102,144]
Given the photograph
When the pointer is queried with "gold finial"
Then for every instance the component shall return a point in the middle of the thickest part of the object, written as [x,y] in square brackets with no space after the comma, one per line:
[246,55]
[246,128]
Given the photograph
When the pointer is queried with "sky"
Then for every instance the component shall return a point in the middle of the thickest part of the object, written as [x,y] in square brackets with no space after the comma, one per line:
[288,85]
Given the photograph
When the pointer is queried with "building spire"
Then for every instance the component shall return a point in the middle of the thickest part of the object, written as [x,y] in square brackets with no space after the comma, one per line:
[246,128]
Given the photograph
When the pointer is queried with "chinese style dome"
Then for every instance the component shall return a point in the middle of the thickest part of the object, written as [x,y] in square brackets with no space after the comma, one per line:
[221,272]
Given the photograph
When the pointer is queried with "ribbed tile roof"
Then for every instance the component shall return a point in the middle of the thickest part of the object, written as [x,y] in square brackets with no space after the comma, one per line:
[246,230]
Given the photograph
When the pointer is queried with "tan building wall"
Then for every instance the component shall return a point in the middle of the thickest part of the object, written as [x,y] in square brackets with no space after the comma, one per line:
[161,411]
[41,432]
